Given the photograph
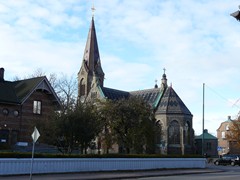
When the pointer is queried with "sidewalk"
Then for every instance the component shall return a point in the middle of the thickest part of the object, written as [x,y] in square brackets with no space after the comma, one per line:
[113,175]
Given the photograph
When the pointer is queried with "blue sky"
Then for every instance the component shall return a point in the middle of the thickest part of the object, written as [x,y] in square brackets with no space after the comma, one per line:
[196,41]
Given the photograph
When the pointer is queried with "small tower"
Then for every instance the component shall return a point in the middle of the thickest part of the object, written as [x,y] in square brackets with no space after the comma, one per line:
[156,86]
[164,80]
[91,65]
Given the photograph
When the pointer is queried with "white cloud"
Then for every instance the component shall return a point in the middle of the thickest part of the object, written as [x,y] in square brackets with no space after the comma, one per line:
[196,41]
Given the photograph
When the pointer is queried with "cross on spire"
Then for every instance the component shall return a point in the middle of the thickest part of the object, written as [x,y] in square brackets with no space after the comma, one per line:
[164,70]
[93,9]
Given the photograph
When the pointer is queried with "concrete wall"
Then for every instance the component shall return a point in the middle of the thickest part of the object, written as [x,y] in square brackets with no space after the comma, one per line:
[10,166]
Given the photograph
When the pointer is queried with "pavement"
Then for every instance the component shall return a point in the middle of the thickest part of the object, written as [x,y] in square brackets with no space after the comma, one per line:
[112,174]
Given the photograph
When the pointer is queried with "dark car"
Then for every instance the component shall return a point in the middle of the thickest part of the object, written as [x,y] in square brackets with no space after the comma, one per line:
[228,160]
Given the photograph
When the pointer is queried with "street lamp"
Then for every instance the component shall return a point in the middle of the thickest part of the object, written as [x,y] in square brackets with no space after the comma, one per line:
[236,14]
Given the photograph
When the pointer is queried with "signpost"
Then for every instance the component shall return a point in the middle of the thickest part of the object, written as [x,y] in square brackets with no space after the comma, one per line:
[35,136]
[219,148]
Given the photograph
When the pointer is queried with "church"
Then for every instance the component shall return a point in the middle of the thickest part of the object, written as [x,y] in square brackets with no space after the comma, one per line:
[173,115]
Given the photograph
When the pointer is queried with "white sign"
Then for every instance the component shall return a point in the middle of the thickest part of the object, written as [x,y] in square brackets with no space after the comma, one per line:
[35,135]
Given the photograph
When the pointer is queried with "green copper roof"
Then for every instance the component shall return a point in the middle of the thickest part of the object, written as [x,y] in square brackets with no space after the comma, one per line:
[206,136]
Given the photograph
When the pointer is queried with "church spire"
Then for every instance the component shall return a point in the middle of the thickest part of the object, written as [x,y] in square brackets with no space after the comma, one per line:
[91,54]
[91,65]
[93,9]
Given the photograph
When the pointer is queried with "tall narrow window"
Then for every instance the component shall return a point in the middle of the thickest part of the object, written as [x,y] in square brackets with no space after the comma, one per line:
[223,135]
[174,133]
[82,88]
[37,107]
[186,133]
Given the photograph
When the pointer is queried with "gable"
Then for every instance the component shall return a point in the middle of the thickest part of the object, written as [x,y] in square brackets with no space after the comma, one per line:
[18,92]
[24,88]
[171,103]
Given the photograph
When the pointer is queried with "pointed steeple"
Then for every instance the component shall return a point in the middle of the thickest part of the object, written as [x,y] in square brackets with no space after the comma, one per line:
[91,65]
[91,55]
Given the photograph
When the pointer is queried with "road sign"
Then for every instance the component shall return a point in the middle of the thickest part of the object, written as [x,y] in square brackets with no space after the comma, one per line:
[35,135]
[219,148]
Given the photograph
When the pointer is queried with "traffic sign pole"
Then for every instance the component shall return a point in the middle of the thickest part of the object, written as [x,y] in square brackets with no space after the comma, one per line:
[35,136]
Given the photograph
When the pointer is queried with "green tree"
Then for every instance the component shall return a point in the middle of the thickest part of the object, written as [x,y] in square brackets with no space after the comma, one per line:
[106,136]
[131,123]
[77,128]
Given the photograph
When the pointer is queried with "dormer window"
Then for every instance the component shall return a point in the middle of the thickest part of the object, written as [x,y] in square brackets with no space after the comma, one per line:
[37,107]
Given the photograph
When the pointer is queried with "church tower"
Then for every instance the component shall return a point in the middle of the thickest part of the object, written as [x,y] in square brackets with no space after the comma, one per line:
[91,70]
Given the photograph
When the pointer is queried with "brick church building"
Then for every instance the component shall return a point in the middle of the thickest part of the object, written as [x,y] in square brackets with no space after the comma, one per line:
[173,115]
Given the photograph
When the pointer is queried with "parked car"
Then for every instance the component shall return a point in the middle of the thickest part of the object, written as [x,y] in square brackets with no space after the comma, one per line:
[228,159]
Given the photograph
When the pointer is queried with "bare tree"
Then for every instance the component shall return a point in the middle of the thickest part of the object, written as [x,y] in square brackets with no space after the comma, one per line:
[66,89]
[233,135]
[36,73]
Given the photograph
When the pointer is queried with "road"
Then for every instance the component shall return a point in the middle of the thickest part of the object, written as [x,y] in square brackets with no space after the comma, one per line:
[208,176]
[228,173]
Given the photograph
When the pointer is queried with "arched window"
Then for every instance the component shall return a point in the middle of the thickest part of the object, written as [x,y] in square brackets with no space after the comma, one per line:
[82,88]
[158,132]
[174,133]
[186,130]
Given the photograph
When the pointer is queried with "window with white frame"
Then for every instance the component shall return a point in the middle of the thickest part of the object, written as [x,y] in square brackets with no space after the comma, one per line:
[223,135]
[37,107]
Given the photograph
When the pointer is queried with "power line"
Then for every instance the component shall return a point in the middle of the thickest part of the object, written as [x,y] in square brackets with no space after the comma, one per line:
[233,104]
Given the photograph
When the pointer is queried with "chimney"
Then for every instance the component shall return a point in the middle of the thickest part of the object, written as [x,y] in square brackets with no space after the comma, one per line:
[229,118]
[1,74]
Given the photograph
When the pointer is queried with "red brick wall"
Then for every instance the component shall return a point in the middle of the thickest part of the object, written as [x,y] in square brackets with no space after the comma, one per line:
[25,122]
[230,148]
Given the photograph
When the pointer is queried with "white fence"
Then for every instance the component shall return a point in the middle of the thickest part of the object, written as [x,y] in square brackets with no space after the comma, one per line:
[12,166]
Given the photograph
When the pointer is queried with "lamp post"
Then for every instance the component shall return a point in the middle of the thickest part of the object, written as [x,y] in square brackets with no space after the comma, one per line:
[236,14]
[203,149]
